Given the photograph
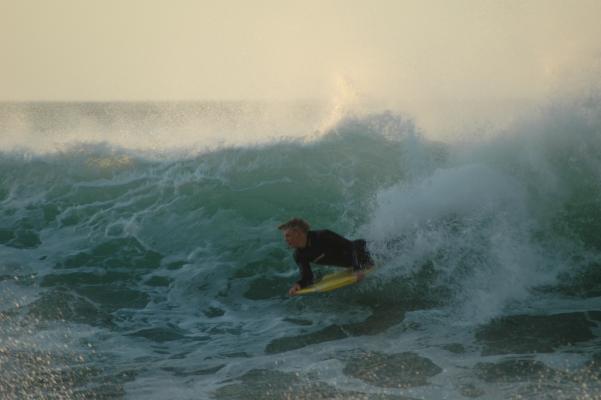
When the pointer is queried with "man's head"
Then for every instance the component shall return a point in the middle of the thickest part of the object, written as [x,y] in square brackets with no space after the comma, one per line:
[295,232]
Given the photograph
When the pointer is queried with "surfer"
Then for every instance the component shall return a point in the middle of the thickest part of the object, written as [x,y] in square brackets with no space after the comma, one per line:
[323,247]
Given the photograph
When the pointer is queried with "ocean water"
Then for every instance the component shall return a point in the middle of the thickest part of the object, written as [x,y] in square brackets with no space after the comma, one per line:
[139,255]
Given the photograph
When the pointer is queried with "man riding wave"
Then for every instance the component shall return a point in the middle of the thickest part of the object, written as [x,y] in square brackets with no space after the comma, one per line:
[323,247]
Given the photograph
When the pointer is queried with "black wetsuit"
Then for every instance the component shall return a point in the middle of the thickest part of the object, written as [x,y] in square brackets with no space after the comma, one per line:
[328,248]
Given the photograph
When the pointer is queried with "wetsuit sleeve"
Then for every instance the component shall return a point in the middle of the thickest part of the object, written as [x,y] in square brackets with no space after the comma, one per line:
[306,275]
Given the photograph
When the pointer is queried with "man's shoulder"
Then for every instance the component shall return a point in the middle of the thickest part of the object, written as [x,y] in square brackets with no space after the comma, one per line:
[326,234]
[321,232]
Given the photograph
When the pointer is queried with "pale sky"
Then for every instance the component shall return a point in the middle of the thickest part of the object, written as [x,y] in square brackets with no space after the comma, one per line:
[280,50]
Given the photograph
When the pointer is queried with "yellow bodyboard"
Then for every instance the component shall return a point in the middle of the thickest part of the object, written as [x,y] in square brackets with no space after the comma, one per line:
[333,281]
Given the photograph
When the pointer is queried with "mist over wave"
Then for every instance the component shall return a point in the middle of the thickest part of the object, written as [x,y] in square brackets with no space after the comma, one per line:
[157,129]
[166,274]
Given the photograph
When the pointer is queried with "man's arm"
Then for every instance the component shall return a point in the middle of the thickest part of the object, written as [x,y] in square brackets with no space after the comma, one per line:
[305,271]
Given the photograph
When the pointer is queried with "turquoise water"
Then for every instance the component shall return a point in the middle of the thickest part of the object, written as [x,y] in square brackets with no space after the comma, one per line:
[155,270]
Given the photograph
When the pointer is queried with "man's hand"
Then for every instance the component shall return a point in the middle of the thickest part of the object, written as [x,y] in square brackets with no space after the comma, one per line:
[295,288]
[360,275]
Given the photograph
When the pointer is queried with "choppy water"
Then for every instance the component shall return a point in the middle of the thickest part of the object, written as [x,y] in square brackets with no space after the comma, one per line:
[142,263]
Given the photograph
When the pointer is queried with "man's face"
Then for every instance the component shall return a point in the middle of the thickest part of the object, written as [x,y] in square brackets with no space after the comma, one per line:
[295,238]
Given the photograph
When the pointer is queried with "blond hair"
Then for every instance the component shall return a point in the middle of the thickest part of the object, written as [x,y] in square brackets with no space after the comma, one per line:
[295,223]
